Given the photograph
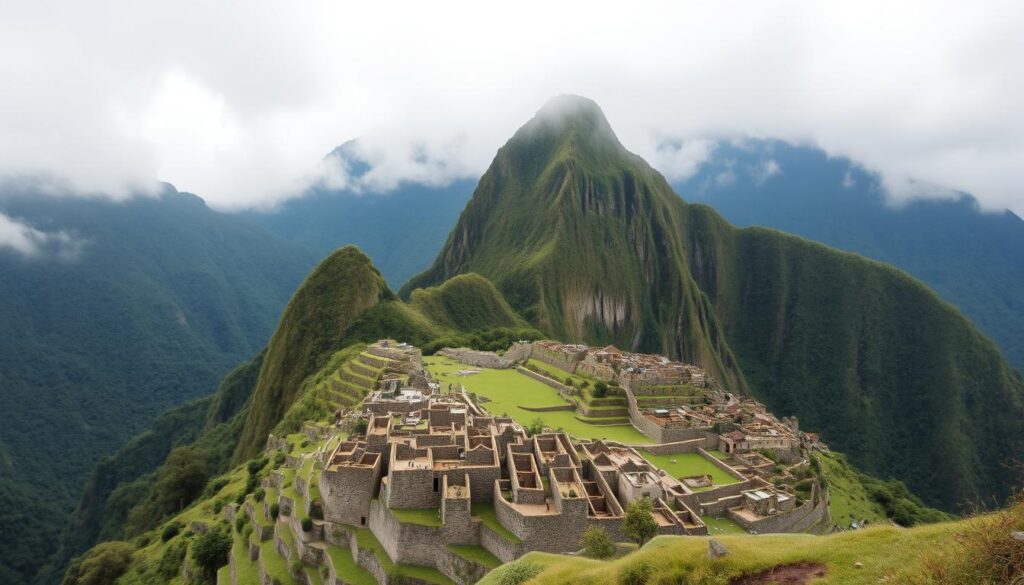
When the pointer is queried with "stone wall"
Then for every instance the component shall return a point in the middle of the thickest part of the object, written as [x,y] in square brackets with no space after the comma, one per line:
[519,352]
[412,544]
[480,359]
[564,390]
[798,520]
[458,569]
[347,493]
[557,359]
[710,441]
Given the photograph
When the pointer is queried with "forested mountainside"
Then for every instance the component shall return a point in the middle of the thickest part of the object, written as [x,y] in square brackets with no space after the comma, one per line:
[139,305]
[341,305]
[402,229]
[971,258]
[589,243]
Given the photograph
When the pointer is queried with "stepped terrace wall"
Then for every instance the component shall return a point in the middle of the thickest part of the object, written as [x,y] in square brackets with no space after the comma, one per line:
[480,359]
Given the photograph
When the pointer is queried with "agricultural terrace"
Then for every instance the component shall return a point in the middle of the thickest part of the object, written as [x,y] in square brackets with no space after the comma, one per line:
[504,391]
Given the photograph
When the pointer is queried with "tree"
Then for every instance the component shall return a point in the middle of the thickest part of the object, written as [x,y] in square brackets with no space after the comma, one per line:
[106,562]
[182,478]
[638,524]
[359,428]
[600,389]
[210,551]
[535,427]
[597,543]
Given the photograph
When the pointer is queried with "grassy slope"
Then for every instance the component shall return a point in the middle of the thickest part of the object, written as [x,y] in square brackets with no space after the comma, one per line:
[979,551]
[591,244]
[883,550]
[314,324]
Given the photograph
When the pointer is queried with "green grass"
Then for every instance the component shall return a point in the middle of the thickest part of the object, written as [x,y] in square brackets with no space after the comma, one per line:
[507,390]
[687,464]
[888,554]
[486,513]
[849,501]
[274,564]
[722,525]
[245,569]
[421,516]
[476,554]
[346,568]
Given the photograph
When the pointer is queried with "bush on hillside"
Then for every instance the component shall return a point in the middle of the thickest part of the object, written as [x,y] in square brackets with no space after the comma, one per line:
[597,543]
[104,564]
[210,551]
[170,530]
[600,389]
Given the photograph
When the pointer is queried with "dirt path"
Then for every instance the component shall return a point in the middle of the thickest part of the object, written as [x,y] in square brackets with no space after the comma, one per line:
[798,574]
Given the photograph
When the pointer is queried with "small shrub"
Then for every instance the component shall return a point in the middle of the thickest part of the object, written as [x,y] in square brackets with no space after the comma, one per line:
[279,459]
[275,510]
[600,389]
[307,524]
[360,426]
[597,543]
[535,427]
[240,523]
[259,494]
[517,573]
[210,551]
[170,530]
[254,466]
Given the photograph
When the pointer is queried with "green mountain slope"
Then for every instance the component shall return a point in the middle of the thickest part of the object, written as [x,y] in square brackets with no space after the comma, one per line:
[342,304]
[163,297]
[970,257]
[591,244]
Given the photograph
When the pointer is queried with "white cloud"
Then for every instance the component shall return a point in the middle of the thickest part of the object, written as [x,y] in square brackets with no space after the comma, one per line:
[679,161]
[765,171]
[30,242]
[236,104]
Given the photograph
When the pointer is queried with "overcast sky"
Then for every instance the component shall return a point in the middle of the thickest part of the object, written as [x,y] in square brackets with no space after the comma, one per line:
[237,102]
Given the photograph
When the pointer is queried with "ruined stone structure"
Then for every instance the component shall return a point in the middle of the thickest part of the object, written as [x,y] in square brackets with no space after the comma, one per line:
[435,471]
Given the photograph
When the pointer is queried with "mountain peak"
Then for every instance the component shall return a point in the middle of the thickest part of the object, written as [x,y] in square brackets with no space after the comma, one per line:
[570,122]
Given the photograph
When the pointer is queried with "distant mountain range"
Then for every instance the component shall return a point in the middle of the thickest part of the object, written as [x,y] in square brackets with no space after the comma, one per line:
[971,258]
[401,230]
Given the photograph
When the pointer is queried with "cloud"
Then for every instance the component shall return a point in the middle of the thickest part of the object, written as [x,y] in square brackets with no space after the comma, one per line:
[679,161]
[32,243]
[765,171]
[115,95]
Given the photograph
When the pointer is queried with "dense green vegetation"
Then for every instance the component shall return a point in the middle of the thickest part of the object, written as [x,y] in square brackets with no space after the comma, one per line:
[972,258]
[158,301]
[327,323]
[589,243]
